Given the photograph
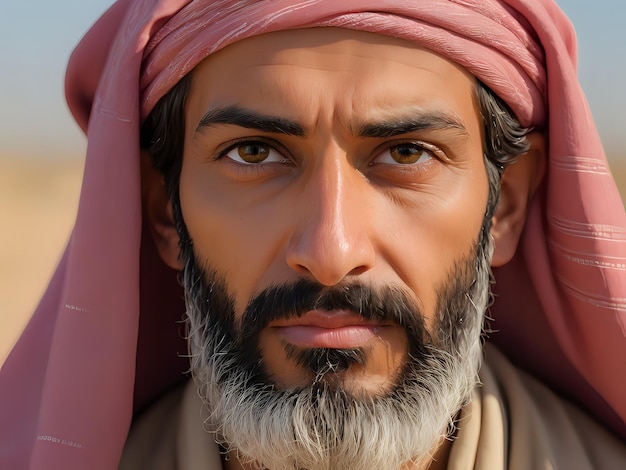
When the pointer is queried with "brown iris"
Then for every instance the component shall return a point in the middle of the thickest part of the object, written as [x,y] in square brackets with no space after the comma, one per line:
[253,153]
[406,153]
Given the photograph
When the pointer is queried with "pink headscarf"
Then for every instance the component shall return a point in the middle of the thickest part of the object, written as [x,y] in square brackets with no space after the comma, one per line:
[103,340]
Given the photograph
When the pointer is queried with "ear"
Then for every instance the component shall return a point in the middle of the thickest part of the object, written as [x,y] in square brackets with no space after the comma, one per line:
[519,182]
[158,211]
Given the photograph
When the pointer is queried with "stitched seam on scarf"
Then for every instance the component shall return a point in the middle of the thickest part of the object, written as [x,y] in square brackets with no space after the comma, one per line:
[59,441]
[583,230]
[114,115]
[582,164]
[76,308]
[588,259]
[603,301]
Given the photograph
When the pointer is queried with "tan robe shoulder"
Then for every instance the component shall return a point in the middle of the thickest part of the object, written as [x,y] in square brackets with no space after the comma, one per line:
[170,435]
[514,422]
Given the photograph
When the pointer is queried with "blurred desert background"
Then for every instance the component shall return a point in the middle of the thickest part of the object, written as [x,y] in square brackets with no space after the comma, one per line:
[41,147]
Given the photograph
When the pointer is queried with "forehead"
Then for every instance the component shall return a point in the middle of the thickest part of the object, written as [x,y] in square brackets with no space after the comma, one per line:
[357,75]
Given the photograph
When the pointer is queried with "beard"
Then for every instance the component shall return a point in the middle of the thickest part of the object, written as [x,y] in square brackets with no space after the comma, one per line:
[322,425]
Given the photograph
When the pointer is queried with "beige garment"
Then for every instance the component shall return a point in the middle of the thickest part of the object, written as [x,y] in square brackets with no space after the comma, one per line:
[513,422]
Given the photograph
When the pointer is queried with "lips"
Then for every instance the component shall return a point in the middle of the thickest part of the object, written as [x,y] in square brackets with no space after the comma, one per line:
[336,329]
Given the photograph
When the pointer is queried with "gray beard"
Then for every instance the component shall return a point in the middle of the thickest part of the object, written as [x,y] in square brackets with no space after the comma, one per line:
[322,426]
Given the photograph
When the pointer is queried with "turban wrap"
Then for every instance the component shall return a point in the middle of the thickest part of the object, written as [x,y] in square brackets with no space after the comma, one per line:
[103,341]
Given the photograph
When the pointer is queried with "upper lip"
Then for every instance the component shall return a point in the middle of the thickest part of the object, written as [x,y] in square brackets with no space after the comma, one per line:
[326,319]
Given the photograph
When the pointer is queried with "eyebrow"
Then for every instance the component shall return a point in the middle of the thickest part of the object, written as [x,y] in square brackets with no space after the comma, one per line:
[242,117]
[418,121]
[249,119]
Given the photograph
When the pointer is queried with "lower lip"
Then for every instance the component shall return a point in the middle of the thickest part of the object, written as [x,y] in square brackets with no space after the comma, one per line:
[337,338]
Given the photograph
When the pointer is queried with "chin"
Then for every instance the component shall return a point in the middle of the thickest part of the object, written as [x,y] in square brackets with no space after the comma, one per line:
[368,371]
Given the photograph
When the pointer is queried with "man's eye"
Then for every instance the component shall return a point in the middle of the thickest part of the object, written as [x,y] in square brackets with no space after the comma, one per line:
[253,152]
[405,154]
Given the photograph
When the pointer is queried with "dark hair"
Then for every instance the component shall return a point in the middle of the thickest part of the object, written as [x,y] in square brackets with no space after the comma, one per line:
[163,134]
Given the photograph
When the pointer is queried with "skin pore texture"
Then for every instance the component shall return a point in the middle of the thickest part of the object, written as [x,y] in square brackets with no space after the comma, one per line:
[336,264]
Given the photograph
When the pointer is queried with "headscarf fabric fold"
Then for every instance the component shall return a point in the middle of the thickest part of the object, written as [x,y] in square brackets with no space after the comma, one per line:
[83,364]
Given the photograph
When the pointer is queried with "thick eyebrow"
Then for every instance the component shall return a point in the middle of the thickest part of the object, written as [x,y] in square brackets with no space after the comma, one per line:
[242,117]
[405,125]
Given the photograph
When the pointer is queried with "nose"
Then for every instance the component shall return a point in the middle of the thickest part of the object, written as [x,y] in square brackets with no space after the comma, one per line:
[332,238]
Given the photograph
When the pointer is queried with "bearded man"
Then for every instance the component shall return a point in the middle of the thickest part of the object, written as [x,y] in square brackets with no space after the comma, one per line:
[332,183]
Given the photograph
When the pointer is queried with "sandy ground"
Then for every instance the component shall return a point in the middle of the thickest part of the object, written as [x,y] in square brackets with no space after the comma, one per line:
[38,203]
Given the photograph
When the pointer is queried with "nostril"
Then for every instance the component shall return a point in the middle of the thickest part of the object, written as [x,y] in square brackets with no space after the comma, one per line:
[303,270]
[358,270]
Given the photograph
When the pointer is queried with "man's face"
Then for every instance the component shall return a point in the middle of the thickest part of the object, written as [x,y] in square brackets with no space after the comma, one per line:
[334,159]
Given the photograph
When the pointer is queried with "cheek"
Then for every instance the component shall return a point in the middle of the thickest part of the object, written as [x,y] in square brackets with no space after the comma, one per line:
[434,232]
[234,232]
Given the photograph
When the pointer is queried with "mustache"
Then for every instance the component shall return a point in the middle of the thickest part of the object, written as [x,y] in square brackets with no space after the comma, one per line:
[388,304]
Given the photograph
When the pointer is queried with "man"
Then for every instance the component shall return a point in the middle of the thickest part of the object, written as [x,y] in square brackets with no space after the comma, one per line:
[333,181]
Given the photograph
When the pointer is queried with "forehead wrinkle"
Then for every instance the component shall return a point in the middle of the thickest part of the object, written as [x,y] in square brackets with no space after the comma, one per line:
[318,67]
[283,96]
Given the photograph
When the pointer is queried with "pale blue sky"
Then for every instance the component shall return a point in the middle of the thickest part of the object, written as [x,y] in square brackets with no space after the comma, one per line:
[37,36]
